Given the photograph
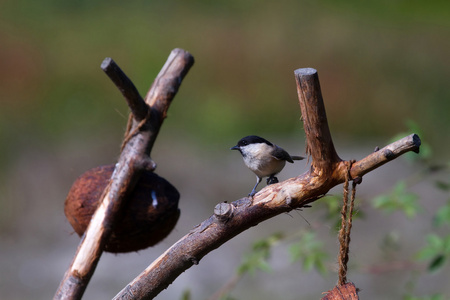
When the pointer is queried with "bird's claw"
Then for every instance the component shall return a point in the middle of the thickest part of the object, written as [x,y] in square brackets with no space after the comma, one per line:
[272,180]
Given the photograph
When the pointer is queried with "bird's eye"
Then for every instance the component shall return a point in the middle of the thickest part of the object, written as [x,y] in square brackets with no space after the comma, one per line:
[244,143]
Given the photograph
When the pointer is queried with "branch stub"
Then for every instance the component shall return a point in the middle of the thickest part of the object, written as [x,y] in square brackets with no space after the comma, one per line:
[223,211]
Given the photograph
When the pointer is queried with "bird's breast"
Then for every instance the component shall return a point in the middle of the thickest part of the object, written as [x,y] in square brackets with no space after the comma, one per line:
[264,166]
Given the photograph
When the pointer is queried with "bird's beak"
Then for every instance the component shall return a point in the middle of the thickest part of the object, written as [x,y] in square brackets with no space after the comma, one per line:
[234,148]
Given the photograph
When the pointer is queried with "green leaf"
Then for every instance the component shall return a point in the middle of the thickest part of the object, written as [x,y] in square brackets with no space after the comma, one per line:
[442,216]
[435,241]
[308,262]
[399,199]
[444,186]
[446,246]
[332,203]
[257,258]
[253,262]
[310,251]
[186,295]
[432,249]
[383,202]
[320,266]
[437,250]
[437,263]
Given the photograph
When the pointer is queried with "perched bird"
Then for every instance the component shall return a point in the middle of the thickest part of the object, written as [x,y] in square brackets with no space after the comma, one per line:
[263,158]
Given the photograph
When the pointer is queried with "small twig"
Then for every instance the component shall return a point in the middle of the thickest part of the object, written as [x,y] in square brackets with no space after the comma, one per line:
[137,105]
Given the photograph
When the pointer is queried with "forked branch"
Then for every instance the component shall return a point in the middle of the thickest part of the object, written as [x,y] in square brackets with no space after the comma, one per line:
[135,156]
[327,170]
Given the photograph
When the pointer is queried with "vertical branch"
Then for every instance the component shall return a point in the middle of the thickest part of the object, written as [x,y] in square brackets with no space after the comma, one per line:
[319,143]
[134,158]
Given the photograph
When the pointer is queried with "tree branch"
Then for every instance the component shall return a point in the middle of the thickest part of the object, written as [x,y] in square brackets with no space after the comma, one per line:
[319,143]
[380,157]
[137,105]
[327,171]
[134,157]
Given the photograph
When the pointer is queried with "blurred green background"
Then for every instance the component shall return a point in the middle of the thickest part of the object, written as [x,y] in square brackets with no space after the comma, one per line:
[382,65]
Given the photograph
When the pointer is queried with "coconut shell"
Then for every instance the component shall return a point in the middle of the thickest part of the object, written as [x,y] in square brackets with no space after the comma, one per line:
[150,213]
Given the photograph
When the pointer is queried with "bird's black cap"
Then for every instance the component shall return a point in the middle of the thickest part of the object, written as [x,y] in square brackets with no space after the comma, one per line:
[251,139]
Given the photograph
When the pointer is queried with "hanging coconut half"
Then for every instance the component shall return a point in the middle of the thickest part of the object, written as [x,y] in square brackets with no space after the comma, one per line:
[150,213]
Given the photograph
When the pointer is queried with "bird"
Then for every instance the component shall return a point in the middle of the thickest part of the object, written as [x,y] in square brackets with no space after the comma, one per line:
[263,158]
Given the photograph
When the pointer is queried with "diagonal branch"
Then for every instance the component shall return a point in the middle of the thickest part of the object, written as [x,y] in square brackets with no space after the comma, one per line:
[327,171]
[137,105]
[380,157]
[135,156]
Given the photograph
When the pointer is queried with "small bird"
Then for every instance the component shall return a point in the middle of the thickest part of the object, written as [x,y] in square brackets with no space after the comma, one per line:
[263,158]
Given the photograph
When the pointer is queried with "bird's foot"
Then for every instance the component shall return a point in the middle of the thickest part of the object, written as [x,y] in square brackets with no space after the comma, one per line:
[272,180]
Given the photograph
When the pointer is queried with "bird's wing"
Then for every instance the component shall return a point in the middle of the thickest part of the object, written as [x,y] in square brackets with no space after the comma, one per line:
[281,154]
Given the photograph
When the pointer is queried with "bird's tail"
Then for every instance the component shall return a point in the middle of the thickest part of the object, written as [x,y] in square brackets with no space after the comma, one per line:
[294,157]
